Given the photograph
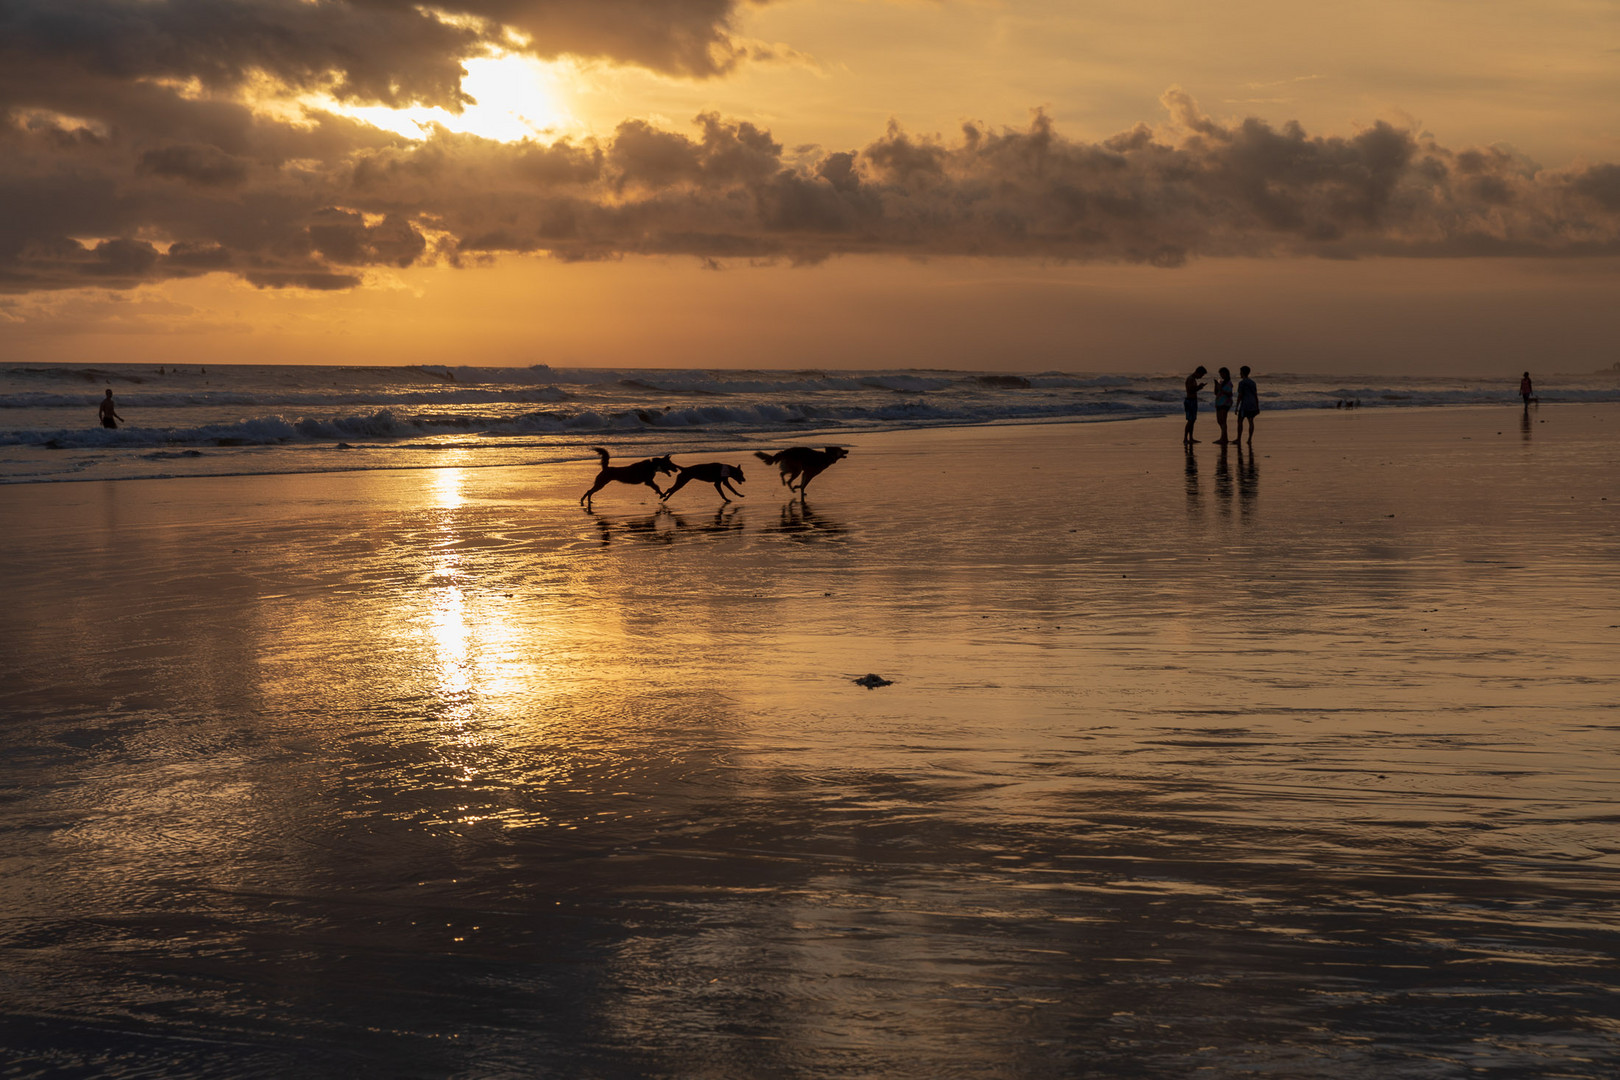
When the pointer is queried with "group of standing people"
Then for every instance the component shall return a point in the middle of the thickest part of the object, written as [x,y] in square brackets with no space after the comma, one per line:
[1248,403]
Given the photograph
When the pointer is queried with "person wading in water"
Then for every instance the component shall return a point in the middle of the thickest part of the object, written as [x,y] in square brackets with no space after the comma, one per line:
[109,412]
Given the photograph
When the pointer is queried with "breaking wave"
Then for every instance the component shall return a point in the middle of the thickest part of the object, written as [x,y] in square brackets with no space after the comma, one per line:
[184,414]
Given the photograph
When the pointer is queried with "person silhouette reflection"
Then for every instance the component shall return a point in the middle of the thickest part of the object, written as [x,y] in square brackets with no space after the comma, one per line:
[1248,478]
[1192,480]
[1223,482]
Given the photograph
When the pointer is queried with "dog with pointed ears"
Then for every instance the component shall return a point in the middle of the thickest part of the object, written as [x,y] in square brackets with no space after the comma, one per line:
[712,472]
[802,463]
[642,472]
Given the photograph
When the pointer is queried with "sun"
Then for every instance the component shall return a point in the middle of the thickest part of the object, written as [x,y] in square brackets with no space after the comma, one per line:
[516,97]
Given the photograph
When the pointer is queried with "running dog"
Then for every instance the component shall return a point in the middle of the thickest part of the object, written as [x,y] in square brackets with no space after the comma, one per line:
[802,463]
[642,472]
[712,472]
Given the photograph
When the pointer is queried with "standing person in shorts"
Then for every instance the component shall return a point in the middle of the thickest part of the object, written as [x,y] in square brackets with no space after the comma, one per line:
[109,412]
[1248,402]
[1223,402]
[1527,389]
[1190,406]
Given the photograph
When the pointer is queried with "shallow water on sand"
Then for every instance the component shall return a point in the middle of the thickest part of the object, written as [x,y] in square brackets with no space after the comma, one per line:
[1299,761]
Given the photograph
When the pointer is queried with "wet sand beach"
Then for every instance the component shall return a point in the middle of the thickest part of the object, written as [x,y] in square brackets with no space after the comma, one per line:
[1298,760]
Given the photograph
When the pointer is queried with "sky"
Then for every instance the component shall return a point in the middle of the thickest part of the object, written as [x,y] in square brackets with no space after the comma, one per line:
[1023,185]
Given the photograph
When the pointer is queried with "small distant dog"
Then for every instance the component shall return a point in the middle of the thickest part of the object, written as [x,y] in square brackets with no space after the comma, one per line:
[712,472]
[802,463]
[642,472]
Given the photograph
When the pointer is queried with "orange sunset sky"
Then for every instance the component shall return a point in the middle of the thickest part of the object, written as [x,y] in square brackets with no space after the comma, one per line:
[1391,185]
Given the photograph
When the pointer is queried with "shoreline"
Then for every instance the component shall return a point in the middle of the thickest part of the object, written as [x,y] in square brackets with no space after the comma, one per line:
[746,443]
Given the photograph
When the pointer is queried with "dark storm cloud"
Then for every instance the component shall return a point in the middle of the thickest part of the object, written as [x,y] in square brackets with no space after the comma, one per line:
[196,162]
[391,52]
[111,183]
[376,52]
[1601,184]
[684,37]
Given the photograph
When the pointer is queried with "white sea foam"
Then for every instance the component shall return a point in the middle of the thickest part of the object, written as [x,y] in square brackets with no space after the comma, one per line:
[284,410]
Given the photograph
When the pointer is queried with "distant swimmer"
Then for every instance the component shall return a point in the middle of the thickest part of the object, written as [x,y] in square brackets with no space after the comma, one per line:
[1190,406]
[1248,402]
[109,412]
[1527,390]
[1223,402]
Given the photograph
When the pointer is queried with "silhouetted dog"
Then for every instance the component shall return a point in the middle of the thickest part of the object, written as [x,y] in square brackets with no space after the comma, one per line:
[642,472]
[798,462]
[712,472]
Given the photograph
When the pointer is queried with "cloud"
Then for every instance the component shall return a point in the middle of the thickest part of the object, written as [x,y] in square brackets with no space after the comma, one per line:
[681,37]
[388,52]
[198,163]
[112,179]
[383,52]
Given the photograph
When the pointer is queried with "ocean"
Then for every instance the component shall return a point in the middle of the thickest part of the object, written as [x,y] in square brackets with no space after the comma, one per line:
[232,420]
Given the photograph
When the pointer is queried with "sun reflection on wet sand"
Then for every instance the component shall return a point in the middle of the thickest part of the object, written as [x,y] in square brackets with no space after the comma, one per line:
[448,615]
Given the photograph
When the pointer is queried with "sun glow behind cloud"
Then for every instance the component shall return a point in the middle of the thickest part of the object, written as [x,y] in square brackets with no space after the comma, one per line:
[517,97]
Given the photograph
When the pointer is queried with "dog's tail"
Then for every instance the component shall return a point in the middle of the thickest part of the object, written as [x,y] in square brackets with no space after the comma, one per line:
[769,459]
[603,454]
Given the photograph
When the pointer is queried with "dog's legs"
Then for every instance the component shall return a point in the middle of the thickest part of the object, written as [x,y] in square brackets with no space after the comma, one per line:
[680,482]
[656,489]
[585,499]
[727,481]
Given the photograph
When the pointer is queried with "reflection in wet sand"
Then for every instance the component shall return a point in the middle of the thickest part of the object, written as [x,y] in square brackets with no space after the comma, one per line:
[1191,472]
[1248,479]
[666,525]
[469,786]
[645,527]
[799,522]
[1223,482]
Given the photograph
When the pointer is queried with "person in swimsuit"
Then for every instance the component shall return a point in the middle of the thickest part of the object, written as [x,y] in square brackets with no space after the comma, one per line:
[1190,406]
[1223,402]
[1248,402]
[109,412]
